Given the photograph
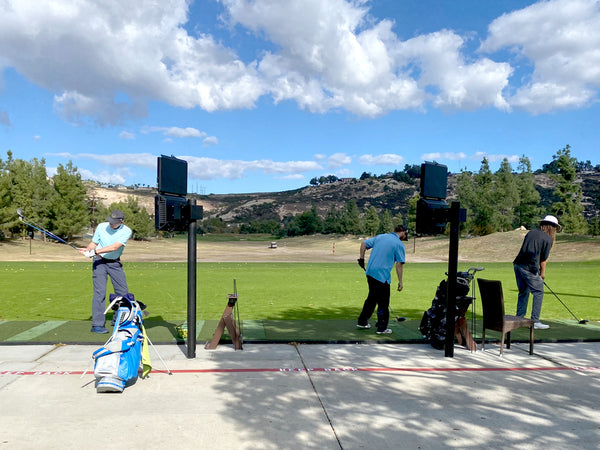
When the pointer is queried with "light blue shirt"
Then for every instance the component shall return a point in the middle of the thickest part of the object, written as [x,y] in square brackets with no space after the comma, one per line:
[105,235]
[387,249]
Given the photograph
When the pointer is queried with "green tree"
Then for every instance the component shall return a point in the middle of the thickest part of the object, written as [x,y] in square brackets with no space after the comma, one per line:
[528,211]
[332,223]
[136,218]
[569,208]
[69,211]
[371,221]
[387,222]
[351,218]
[507,197]
[484,213]
[305,223]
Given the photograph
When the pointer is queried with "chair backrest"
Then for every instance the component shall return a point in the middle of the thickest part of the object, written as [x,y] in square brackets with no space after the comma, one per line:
[492,302]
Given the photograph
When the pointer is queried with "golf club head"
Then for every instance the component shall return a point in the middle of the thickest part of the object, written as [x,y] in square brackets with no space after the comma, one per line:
[400,319]
[20,213]
[583,321]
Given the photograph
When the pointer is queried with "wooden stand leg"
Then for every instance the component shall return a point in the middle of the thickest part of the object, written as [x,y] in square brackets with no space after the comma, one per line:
[226,321]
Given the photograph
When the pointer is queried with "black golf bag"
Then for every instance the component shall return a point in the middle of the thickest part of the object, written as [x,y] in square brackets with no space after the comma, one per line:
[433,323]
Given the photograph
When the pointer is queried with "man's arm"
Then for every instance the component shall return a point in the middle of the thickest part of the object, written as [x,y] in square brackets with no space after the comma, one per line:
[543,269]
[361,258]
[399,272]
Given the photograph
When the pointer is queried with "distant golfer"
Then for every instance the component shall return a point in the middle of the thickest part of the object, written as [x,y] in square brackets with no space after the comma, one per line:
[387,250]
[530,268]
[106,248]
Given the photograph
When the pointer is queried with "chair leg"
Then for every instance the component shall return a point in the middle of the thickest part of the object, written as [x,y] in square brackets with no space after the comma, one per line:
[531,340]
[508,340]
[483,339]
[502,344]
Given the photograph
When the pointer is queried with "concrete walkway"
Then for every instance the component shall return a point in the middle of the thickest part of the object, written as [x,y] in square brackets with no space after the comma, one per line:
[280,396]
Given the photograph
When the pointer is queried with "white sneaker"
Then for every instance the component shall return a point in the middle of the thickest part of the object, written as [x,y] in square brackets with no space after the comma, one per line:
[364,327]
[387,331]
[540,326]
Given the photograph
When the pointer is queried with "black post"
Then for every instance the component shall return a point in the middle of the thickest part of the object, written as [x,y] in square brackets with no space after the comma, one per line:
[191,291]
[454,219]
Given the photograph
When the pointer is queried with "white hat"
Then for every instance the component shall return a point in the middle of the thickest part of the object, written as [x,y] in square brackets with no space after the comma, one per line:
[551,220]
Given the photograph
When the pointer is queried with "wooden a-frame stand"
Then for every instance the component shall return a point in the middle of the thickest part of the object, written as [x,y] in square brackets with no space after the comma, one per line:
[227,321]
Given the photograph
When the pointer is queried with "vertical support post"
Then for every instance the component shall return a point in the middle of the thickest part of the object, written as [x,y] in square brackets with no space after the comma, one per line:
[454,219]
[191,290]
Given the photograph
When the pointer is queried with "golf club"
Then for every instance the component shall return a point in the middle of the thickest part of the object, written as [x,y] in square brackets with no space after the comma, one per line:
[46,232]
[581,321]
[399,319]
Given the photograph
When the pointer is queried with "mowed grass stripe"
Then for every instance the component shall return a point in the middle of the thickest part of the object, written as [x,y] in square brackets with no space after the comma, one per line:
[36,331]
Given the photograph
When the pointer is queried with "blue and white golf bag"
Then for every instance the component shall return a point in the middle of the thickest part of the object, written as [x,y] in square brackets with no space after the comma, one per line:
[117,362]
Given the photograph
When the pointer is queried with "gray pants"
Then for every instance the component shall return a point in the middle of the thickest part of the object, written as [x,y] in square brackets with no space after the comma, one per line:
[101,270]
[527,283]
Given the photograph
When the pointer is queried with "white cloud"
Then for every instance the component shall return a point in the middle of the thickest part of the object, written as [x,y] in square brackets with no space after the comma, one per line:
[478,156]
[388,159]
[210,140]
[338,160]
[126,135]
[560,38]
[176,132]
[323,54]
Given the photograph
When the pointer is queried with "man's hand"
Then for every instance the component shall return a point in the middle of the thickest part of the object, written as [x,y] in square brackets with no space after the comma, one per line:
[400,286]
[89,253]
[361,263]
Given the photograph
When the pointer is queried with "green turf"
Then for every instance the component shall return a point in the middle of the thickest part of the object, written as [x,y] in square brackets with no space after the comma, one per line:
[34,291]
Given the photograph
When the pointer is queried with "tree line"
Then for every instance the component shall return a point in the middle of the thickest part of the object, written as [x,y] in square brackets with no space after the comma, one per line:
[59,204]
[495,201]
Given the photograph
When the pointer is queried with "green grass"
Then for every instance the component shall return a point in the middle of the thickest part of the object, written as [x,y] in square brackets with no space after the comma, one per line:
[270,291]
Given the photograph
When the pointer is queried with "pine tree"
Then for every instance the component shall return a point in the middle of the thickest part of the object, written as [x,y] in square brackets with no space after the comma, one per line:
[506,196]
[568,209]
[528,211]
[69,212]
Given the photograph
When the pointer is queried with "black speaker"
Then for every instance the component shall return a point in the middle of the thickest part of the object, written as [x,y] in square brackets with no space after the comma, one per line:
[434,180]
[169,213]
[432,216]
[172,175]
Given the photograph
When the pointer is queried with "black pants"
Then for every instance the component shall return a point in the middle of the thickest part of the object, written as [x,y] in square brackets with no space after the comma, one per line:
[379,295]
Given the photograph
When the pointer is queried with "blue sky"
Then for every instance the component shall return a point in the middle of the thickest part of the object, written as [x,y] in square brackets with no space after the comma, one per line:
[264,95]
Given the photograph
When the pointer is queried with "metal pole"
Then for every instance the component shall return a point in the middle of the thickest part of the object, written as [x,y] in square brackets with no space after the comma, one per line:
[454,216]
[191,291]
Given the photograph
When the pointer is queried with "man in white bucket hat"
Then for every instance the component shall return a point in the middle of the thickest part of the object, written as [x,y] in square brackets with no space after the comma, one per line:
[530,268]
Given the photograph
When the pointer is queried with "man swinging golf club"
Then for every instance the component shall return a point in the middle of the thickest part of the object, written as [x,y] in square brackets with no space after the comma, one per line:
[530,268]
[387,250]
[106,249]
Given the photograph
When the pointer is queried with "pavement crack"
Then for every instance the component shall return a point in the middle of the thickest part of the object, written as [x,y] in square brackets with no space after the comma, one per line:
[306,369]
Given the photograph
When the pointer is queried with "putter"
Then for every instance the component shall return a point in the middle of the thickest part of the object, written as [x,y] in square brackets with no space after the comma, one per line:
[581,321]
[46,232]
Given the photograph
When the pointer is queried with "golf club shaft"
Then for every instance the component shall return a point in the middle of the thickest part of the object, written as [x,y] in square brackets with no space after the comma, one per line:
[558,298]
[47,233]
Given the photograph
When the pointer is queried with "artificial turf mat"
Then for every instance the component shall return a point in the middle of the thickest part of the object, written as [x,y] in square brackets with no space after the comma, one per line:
[309,331]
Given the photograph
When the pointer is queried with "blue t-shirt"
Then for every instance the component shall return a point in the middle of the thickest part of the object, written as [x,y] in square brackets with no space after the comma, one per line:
[105,235]
[387,249]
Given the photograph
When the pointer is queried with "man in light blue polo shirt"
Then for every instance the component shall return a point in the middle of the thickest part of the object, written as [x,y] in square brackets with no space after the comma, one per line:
[106,248]
[387,250]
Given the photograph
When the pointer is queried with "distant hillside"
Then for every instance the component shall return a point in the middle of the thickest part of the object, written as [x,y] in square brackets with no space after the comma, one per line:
[380,193]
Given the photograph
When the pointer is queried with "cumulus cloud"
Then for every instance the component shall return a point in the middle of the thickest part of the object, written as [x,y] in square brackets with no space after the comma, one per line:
[104,61]
[438,156]
[338,160]
[560,39]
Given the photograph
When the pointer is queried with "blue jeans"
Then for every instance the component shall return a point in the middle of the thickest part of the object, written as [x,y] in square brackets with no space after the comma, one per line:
[527,283]
[101,270]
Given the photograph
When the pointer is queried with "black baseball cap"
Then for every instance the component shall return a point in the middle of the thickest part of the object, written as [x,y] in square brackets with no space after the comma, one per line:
[116,217]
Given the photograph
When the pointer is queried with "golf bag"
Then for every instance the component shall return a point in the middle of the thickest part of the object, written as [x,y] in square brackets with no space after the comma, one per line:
[117,362]
[433,323]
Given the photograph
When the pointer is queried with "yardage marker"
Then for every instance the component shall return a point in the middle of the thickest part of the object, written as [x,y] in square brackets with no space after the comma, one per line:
[36,331]
[329,370]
